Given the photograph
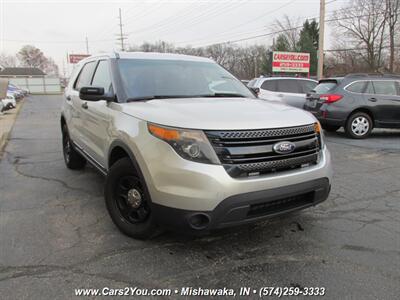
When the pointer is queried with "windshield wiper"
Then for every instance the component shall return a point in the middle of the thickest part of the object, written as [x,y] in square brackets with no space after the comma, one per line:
[147,98]
[217,95]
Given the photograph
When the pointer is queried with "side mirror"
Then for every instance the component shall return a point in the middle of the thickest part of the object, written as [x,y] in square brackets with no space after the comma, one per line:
[91,93]
[255,91]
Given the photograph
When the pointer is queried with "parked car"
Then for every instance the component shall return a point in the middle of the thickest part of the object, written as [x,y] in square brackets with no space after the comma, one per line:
[18,95]
[1,107]
[9,102]
[13,87]
[358,102]
[179,150]
[289,90]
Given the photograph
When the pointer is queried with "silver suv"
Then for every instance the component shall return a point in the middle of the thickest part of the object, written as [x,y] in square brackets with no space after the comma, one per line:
[183,143]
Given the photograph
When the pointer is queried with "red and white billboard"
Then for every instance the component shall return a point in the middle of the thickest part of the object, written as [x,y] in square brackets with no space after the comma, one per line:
[290,62]
[75,58]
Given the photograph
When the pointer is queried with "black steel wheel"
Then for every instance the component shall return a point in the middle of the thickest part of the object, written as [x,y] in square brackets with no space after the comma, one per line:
[131,200]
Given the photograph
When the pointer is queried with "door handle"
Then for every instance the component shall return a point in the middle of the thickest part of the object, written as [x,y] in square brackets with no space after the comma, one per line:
[84,105]
[372,99]
[68,98]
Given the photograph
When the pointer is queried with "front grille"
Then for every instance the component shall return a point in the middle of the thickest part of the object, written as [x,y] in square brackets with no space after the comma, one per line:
[280,205]
[250,152]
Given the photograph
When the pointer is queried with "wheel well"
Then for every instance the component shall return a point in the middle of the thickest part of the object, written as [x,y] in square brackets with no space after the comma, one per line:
[364,110]
[116,154]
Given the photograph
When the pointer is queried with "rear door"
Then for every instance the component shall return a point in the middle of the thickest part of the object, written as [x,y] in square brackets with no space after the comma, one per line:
[386,102]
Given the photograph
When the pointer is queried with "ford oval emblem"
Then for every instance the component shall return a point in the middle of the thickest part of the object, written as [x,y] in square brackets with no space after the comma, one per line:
[284,147]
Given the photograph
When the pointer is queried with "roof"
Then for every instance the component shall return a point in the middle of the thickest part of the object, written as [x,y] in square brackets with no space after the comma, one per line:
[285,77]
[150,55]
[22,72]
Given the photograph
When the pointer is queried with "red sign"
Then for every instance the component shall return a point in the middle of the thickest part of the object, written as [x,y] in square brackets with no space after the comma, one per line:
[75,58]
[290,62]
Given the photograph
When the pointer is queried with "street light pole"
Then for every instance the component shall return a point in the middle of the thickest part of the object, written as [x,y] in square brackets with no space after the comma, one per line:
[320,69]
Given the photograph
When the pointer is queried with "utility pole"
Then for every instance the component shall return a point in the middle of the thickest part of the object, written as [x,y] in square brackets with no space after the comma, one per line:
[255,67]
[320,69]
[121,35]
[87,45]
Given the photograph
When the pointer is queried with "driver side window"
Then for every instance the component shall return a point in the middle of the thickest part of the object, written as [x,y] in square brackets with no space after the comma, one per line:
[85,76]
[102,76]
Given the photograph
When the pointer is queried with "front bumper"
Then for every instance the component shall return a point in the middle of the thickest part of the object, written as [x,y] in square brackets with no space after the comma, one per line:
[179,183]
[245,208]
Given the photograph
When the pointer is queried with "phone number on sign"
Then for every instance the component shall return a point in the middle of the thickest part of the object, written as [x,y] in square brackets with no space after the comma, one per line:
[291,291]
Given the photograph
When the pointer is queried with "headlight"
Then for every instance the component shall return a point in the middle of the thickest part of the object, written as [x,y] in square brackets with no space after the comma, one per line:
[190,144]
[318,130]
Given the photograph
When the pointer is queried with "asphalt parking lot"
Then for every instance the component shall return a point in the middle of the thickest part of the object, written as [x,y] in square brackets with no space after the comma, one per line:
[56,235]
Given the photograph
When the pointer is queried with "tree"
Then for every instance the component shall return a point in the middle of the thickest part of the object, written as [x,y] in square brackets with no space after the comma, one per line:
[290,29]
[30,56]
[281,43]
[363,23]
[308,42]
[51,68]
[392,9]
[8,60]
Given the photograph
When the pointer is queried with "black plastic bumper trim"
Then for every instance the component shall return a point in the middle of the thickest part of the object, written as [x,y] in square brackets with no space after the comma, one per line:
[235,210]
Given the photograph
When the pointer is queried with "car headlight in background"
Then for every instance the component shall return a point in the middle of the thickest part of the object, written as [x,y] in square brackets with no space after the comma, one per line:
[190,144]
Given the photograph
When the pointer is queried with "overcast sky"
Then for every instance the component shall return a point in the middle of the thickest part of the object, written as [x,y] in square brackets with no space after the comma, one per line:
[59,27]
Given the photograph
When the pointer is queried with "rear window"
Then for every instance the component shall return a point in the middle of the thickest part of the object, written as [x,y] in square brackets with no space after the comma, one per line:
[357,87]
[289,86]
[388,88]
[325,87]
[307,85]
[269,85]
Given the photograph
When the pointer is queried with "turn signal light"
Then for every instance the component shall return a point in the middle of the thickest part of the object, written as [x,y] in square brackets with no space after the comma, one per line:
[317,127]
[330,98]
[164,133]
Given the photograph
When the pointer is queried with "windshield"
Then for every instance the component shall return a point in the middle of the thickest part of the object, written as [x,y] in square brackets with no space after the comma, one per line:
[147,78]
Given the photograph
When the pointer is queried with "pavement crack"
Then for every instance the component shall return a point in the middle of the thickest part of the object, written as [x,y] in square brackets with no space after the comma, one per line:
[50,179]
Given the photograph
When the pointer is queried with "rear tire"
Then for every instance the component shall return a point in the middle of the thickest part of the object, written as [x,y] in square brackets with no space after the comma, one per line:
[359,125]
[330,128]
[128,202]
[73,160]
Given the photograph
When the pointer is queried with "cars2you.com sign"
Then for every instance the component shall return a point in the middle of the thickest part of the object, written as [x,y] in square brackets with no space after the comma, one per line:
[290,62]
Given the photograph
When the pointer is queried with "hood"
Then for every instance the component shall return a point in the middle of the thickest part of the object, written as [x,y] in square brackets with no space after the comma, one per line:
[218,113]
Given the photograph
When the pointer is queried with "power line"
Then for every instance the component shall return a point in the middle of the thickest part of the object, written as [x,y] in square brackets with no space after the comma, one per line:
[162,22]
[288,29]
[248,22]
[211,14]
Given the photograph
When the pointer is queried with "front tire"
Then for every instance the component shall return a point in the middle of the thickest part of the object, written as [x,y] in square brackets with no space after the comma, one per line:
[359,125]
[73,160]
[127,201]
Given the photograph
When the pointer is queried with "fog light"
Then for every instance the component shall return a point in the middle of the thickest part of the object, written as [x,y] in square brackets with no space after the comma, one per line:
[199,221]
